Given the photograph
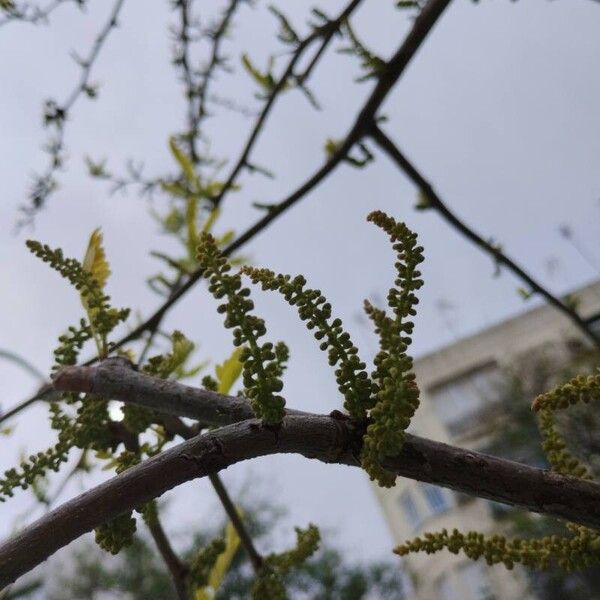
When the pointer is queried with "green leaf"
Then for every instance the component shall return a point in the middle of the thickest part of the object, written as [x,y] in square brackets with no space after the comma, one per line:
[265,80]
[525,294]
[229,371]
[96,264]
[94,261]
[571,301]
[423,202]
[191,215]
[232,543]
[174,188]
[225,238]
[210,221]
[184,162]
[331,147]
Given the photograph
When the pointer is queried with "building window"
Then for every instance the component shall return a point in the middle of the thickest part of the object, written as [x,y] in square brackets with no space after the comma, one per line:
[475,582]
[437,499]
[410,510]
[445,589]
[459,402]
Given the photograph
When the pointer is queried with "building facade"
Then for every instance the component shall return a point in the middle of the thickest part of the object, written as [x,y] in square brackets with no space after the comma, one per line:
[457,384]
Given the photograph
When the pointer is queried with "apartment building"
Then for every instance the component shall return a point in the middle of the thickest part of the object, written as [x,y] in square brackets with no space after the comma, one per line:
[457,384]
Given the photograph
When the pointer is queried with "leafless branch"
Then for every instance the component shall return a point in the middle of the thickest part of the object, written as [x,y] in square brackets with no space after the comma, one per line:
[57,115]
[177,568]
[435,202]
[30,13]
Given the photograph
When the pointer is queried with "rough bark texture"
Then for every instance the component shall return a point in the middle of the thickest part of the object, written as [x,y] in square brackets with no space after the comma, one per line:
[329,438]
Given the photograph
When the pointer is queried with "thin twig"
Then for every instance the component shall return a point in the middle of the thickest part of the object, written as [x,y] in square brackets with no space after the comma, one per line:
[23,363]
[46,392]
[176,426]
[327,32]
[35,15]
[57,115]
[436,203]
[236,520]
[386,80]
[176,567]
[218,35]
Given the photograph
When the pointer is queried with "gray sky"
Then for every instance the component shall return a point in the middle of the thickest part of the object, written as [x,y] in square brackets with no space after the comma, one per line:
[499,110]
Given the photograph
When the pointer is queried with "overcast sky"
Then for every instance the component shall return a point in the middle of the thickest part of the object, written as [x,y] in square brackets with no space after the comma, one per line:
[499,110]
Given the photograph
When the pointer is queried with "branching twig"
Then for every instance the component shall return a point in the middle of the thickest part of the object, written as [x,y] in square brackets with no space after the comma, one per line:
[197,82]
[435,202]
[388,78]
[327,32]
[57,115]
[33,14]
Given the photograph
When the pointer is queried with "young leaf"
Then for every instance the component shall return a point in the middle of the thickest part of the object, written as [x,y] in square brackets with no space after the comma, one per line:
[232,543]
[265,80]
[184,162]
[95,261]
[210,221]
[228,372]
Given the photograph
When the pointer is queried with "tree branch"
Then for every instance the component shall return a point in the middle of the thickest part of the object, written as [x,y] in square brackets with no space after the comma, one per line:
[177,569]
[234,516]
[330,439]
[436,203]
[46,392]
[327,31]
[176,426]
[57,116]
[423,24]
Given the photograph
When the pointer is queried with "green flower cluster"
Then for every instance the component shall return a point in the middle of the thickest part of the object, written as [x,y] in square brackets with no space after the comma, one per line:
[397,396]
[576,552]
[165,365]
[116,534]
[269,583]
[71,343]
[103,318]
[556,451]
[351,375]
[37,465]
[580,389]
[88,427]
[86,430]
[262,364]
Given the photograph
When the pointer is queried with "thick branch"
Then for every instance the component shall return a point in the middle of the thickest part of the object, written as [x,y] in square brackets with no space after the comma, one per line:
[436,203]
[330,439]
[486,477]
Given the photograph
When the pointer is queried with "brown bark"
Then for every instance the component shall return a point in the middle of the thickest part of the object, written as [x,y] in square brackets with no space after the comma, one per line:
[328,438]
